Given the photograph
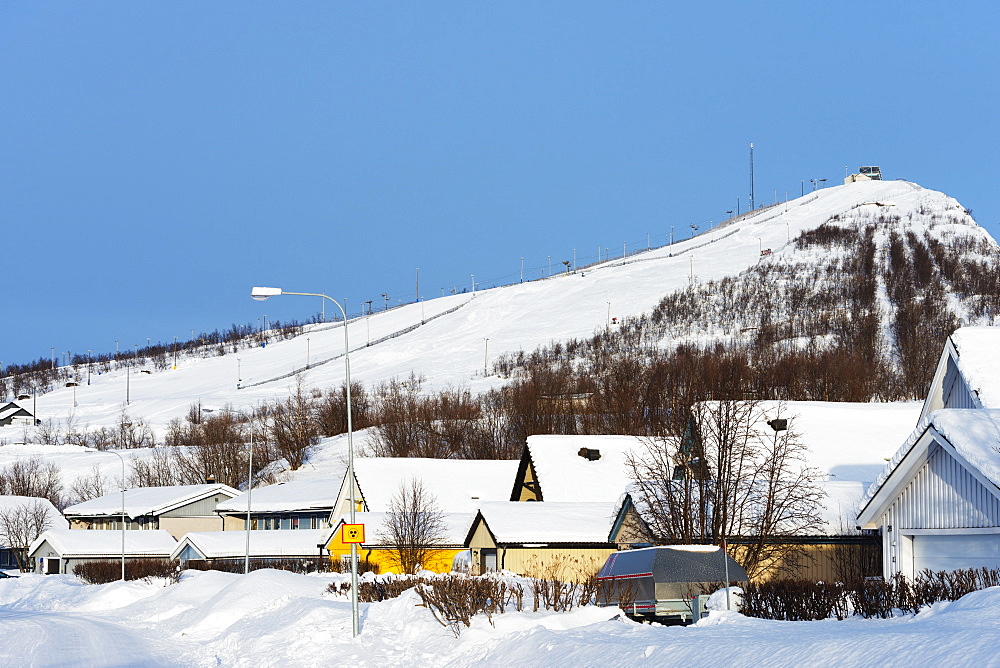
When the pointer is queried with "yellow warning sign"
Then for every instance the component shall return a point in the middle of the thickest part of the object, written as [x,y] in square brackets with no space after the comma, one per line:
[353,533]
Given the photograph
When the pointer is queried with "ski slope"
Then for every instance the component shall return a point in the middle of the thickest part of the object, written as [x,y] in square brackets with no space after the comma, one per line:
[461,334]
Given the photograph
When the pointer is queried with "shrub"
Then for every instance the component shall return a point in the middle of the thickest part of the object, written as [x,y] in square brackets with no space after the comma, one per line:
[102,571]
[796,600]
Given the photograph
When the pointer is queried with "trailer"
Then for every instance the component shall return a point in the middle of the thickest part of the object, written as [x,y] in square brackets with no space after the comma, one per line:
[664,584]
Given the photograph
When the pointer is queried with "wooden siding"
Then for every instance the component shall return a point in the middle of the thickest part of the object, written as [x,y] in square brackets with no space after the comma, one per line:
[181,526]
[200,508]
[568,564]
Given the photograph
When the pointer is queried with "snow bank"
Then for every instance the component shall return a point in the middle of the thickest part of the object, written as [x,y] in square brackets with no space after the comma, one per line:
[274,618]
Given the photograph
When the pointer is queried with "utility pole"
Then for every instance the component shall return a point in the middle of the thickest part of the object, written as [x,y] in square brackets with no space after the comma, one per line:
[751,177]
[418,284]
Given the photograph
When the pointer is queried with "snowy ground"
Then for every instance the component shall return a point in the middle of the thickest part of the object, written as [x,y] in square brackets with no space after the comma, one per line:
[274,618]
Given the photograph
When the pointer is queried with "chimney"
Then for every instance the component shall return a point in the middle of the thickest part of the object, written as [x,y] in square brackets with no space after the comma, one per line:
[210,479]
[591,454]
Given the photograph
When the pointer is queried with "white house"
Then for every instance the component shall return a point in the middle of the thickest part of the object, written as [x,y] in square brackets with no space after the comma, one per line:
[232,545]
[60,550]
[937,503]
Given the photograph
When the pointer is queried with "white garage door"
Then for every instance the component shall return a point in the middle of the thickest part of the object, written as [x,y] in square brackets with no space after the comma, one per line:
[949,553]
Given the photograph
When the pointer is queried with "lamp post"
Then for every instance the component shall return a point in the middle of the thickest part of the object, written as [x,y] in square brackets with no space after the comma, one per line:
[118,455]
[260,294]
[246,559]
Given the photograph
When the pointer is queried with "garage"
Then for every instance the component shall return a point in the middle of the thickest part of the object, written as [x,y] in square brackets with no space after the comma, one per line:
[952,552]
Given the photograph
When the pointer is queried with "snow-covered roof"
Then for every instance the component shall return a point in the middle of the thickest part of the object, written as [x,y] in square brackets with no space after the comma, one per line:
[224,544]
[320,494]
[979,361]
[99,543]
[12,409]
[564,476]
[847,441]
[455,527]
[56,520]
[549,521]
[142,501]
[459,485]
[974,433]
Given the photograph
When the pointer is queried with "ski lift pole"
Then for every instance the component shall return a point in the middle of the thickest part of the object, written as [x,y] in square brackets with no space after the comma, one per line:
[725,562]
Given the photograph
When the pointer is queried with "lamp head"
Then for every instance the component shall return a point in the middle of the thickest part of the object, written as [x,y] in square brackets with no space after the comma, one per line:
[261,294]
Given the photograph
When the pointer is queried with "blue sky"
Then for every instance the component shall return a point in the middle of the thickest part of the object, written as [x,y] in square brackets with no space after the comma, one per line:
[159,159]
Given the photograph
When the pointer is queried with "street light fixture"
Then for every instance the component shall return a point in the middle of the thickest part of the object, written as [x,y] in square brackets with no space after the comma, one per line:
[261,294]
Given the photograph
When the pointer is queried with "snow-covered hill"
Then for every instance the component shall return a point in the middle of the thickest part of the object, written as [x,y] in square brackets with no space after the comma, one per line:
[454,348]
[452,341]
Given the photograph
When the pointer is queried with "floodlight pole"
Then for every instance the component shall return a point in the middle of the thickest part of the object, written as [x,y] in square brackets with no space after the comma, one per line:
[260,294]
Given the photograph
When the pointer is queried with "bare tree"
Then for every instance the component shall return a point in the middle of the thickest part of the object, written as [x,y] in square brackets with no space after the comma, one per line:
[730,476]
[414,525]
[157,470]
[90,486]
[31,476]
[20,525]
[217,446]
[293,427]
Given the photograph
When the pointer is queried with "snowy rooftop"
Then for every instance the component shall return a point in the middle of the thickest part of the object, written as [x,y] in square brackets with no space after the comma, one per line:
[848,441]
[223,544]
[975,435]
[143,501]
[549,521]
[317,494]
[564,476]
[56,520]
[979,361]
[78,543]
[455,527]
[459,485]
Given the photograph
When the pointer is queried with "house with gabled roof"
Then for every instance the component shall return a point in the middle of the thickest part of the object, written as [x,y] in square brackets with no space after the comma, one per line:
[231,546]
[378,550]
[458,485]
[177,509]
[61,550]
[552,539]
[14,415]
[573,468]
[937,503]
[294,505]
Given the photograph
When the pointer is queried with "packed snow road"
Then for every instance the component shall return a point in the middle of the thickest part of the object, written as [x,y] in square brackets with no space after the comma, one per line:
[274,618]
[67,639]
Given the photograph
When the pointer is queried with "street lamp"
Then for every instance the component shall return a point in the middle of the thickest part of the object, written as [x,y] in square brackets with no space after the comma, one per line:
[246,561]
[261,294]
[118,455]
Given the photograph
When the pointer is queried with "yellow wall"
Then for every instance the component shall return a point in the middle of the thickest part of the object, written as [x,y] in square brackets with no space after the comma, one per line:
[440,561]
